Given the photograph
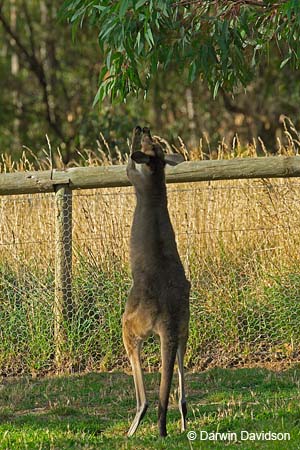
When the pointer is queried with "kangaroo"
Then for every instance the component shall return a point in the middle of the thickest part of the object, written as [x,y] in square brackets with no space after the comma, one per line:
[158,301]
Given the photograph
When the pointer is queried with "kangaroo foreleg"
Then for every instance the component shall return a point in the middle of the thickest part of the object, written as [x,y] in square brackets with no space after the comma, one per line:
[136,139]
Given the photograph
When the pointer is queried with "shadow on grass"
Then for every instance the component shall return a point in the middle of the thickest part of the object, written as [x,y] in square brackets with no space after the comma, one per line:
[94,410]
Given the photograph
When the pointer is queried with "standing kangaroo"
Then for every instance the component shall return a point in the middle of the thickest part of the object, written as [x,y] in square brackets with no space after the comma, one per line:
[159,298]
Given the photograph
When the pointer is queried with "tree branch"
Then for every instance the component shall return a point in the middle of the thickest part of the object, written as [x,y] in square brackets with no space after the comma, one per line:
[30,28]
[31,59]
[36,67]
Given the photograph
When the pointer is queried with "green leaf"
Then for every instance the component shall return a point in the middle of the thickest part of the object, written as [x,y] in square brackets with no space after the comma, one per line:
[149,36]
[285,61]
[139,45]
[140,3]
[107,31]
[211,41]
[253,60]
[98,96]
[192,71]
[108,59]
[124,5]
[216,89]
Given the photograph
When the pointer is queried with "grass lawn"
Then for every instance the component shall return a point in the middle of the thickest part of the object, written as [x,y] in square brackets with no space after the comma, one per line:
[94,410]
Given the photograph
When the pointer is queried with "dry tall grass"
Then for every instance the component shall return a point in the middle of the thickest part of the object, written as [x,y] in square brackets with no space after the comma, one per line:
[240,245]
[261,216]
[239,241]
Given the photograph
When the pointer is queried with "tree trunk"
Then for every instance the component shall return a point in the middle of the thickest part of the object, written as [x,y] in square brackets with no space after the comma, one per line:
[14,71]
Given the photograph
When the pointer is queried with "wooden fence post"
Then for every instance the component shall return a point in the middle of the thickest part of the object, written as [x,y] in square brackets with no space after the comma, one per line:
[63,305]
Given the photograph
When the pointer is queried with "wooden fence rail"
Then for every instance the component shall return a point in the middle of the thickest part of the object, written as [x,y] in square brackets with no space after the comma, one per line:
[113,176]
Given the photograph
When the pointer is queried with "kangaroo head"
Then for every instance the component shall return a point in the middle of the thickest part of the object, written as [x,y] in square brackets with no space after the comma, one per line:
[149,176]
[151,154]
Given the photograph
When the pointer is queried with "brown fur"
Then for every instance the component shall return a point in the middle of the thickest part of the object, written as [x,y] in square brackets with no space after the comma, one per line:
[159,298]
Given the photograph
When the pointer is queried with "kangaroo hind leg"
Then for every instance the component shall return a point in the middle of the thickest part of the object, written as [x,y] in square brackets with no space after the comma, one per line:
[168,354]
[182,400]
[133,348]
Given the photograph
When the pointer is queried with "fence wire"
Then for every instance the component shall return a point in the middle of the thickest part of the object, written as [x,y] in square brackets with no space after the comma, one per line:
[239,242]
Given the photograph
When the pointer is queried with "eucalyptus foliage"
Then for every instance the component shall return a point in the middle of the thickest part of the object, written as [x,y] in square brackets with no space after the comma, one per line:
[221,42]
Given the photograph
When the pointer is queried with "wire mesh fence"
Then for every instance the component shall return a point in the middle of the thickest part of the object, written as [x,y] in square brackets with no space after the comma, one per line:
[239,242]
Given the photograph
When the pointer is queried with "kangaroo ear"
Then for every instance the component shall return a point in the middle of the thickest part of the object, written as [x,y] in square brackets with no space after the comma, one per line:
[174,159]
[140,158]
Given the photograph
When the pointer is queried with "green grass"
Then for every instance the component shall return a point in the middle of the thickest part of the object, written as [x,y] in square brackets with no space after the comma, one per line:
[241,313]
[93,411]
